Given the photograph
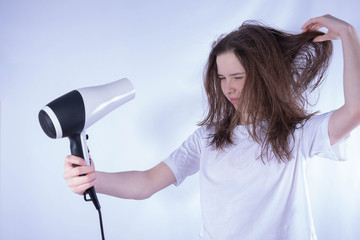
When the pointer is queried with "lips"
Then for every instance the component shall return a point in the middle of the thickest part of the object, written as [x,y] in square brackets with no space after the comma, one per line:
[234,100]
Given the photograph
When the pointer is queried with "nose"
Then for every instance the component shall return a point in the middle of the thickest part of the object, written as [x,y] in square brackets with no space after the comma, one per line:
[229,86]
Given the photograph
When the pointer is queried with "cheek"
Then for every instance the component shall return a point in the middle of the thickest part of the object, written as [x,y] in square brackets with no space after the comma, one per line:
[240,86]
[222,85]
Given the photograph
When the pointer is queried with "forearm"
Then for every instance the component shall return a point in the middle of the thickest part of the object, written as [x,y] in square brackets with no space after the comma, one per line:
[134,184]
[129,185]
[351,51]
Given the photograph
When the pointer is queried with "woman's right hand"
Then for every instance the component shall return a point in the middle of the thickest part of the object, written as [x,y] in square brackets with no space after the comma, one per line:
[79,184]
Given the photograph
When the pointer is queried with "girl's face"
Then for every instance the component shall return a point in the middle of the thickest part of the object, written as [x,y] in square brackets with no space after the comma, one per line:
[232,76]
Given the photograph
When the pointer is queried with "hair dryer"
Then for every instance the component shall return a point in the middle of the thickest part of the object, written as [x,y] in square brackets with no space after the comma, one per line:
[71,114]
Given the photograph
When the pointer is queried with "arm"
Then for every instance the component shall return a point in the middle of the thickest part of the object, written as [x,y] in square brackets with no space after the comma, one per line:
[347,117]
[130,185]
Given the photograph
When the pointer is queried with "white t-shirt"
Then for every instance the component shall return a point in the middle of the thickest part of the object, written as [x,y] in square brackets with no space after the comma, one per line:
[245,198]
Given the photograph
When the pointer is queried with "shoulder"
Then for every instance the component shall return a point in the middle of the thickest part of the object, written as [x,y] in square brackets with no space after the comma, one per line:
[196,140]
[204,132]
[314,131]
[314,138]
[318,120]
[315,127]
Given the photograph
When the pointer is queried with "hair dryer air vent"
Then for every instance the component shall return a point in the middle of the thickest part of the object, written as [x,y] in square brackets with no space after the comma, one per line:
[46,124]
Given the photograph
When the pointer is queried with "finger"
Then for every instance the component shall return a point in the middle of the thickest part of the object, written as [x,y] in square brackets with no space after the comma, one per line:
[313,21]
[78,171]
[81,180]
[71,160]
[327,37]
[312,27]
[316,27]
[80,189]
[321,38]
[307,24]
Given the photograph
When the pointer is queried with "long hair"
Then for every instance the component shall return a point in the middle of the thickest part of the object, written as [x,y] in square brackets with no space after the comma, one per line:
[281,69]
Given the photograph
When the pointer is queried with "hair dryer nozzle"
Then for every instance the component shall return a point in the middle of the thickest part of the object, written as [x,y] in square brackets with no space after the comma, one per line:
[46,124]
[64,116]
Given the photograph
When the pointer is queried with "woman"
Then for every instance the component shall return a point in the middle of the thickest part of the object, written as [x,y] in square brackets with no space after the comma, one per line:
[251,148]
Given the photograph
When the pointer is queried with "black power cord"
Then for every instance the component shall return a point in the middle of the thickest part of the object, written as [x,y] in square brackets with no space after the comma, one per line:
[101,225]
[97,206]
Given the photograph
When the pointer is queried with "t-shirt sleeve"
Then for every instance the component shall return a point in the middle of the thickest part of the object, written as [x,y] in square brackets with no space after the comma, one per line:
[317,142]
[185,160]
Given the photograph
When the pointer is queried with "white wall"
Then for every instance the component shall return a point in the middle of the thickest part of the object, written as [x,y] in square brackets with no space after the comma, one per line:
[51,47]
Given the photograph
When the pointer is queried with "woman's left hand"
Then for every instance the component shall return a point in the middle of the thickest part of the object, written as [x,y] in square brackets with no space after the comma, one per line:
[336,27]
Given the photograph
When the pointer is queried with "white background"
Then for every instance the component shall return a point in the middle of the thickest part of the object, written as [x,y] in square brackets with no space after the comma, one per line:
[48,48]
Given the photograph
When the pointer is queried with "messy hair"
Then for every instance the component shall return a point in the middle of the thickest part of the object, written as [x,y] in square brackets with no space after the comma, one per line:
[281,69]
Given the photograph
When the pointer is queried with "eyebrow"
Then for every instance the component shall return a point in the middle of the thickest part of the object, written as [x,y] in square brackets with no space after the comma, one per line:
[233,74]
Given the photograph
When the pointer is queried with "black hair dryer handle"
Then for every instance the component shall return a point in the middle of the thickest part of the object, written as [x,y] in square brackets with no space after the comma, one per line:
[77,144]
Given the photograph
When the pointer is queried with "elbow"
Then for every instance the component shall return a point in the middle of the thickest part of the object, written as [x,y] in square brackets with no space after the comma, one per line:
[142,195]
[357,118]
[353,114]
[144,190]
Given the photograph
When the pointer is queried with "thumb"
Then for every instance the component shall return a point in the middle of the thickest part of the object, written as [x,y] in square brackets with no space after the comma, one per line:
[321,38]
[330,35]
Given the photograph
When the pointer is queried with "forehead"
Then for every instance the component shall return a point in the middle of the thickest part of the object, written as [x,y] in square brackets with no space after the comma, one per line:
[227,63]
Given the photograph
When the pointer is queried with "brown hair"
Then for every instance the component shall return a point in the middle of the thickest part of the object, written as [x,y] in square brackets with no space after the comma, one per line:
[281,68]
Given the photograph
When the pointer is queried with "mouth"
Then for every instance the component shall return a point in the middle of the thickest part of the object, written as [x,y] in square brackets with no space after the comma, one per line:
[233,100]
